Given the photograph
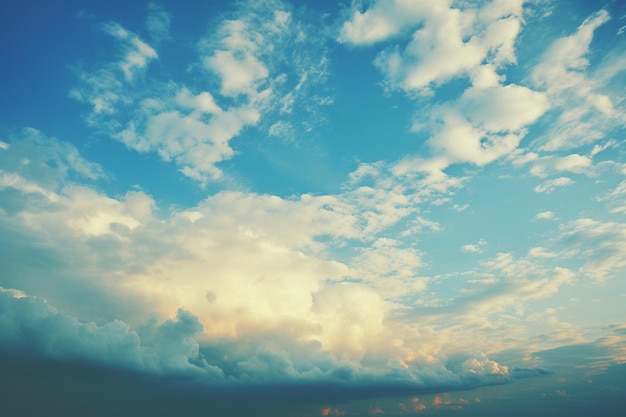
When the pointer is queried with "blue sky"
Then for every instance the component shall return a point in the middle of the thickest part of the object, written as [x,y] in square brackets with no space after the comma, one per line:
[313,208]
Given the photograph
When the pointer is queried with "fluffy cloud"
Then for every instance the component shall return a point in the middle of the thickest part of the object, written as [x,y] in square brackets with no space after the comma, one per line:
[193,126]
[485,123]
[488,121]
[473,248]
[383,20]
[116,250]
[450,41]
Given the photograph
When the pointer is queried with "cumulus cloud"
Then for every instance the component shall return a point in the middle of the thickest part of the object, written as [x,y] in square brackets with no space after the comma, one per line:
[565,58]
[44,160]
[382,20]
[484,124]
[488,120]
[136,52]
[585,111]
[473,248]
[243,78]
[288,287]
[158,23]
[449,42]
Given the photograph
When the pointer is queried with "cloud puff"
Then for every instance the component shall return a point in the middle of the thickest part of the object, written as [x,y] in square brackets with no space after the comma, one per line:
[288,292]
[485,123]
[473,248]
[488,120]
[383,20]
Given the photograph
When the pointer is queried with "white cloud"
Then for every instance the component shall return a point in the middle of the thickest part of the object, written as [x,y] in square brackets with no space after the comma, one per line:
[158,23]
[485,123]
[545,215]
[586,110]
[282,129]
[539,252]
[193,127]
[385,19]
[489,119]
[564,60]
[449,42]
[484,366]
[239,70]
[550,185]
[390,268]
[600,245]
[502,108]
[474,248]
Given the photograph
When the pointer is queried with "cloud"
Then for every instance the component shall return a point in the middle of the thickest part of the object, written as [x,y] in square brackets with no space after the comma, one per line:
[449,41]
[251,272]
[239,70]
[544,166]
[539,252]
[490,118]
[44,160]
[244,81]
[545,215]
[565,58]
[485,123]
[473,248]
[383,20]
[549,186]
[600,245]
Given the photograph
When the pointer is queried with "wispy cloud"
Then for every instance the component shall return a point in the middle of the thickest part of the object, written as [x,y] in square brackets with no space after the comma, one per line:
[193,127]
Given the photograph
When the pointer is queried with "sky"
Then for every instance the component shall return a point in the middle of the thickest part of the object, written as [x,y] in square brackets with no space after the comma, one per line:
[313,208]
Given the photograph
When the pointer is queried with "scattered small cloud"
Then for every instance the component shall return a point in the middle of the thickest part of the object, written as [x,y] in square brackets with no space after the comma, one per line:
[549,186]
[474,247]
[545,215]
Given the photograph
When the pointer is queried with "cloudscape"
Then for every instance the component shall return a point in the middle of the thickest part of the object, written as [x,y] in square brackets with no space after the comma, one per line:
[313,208]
